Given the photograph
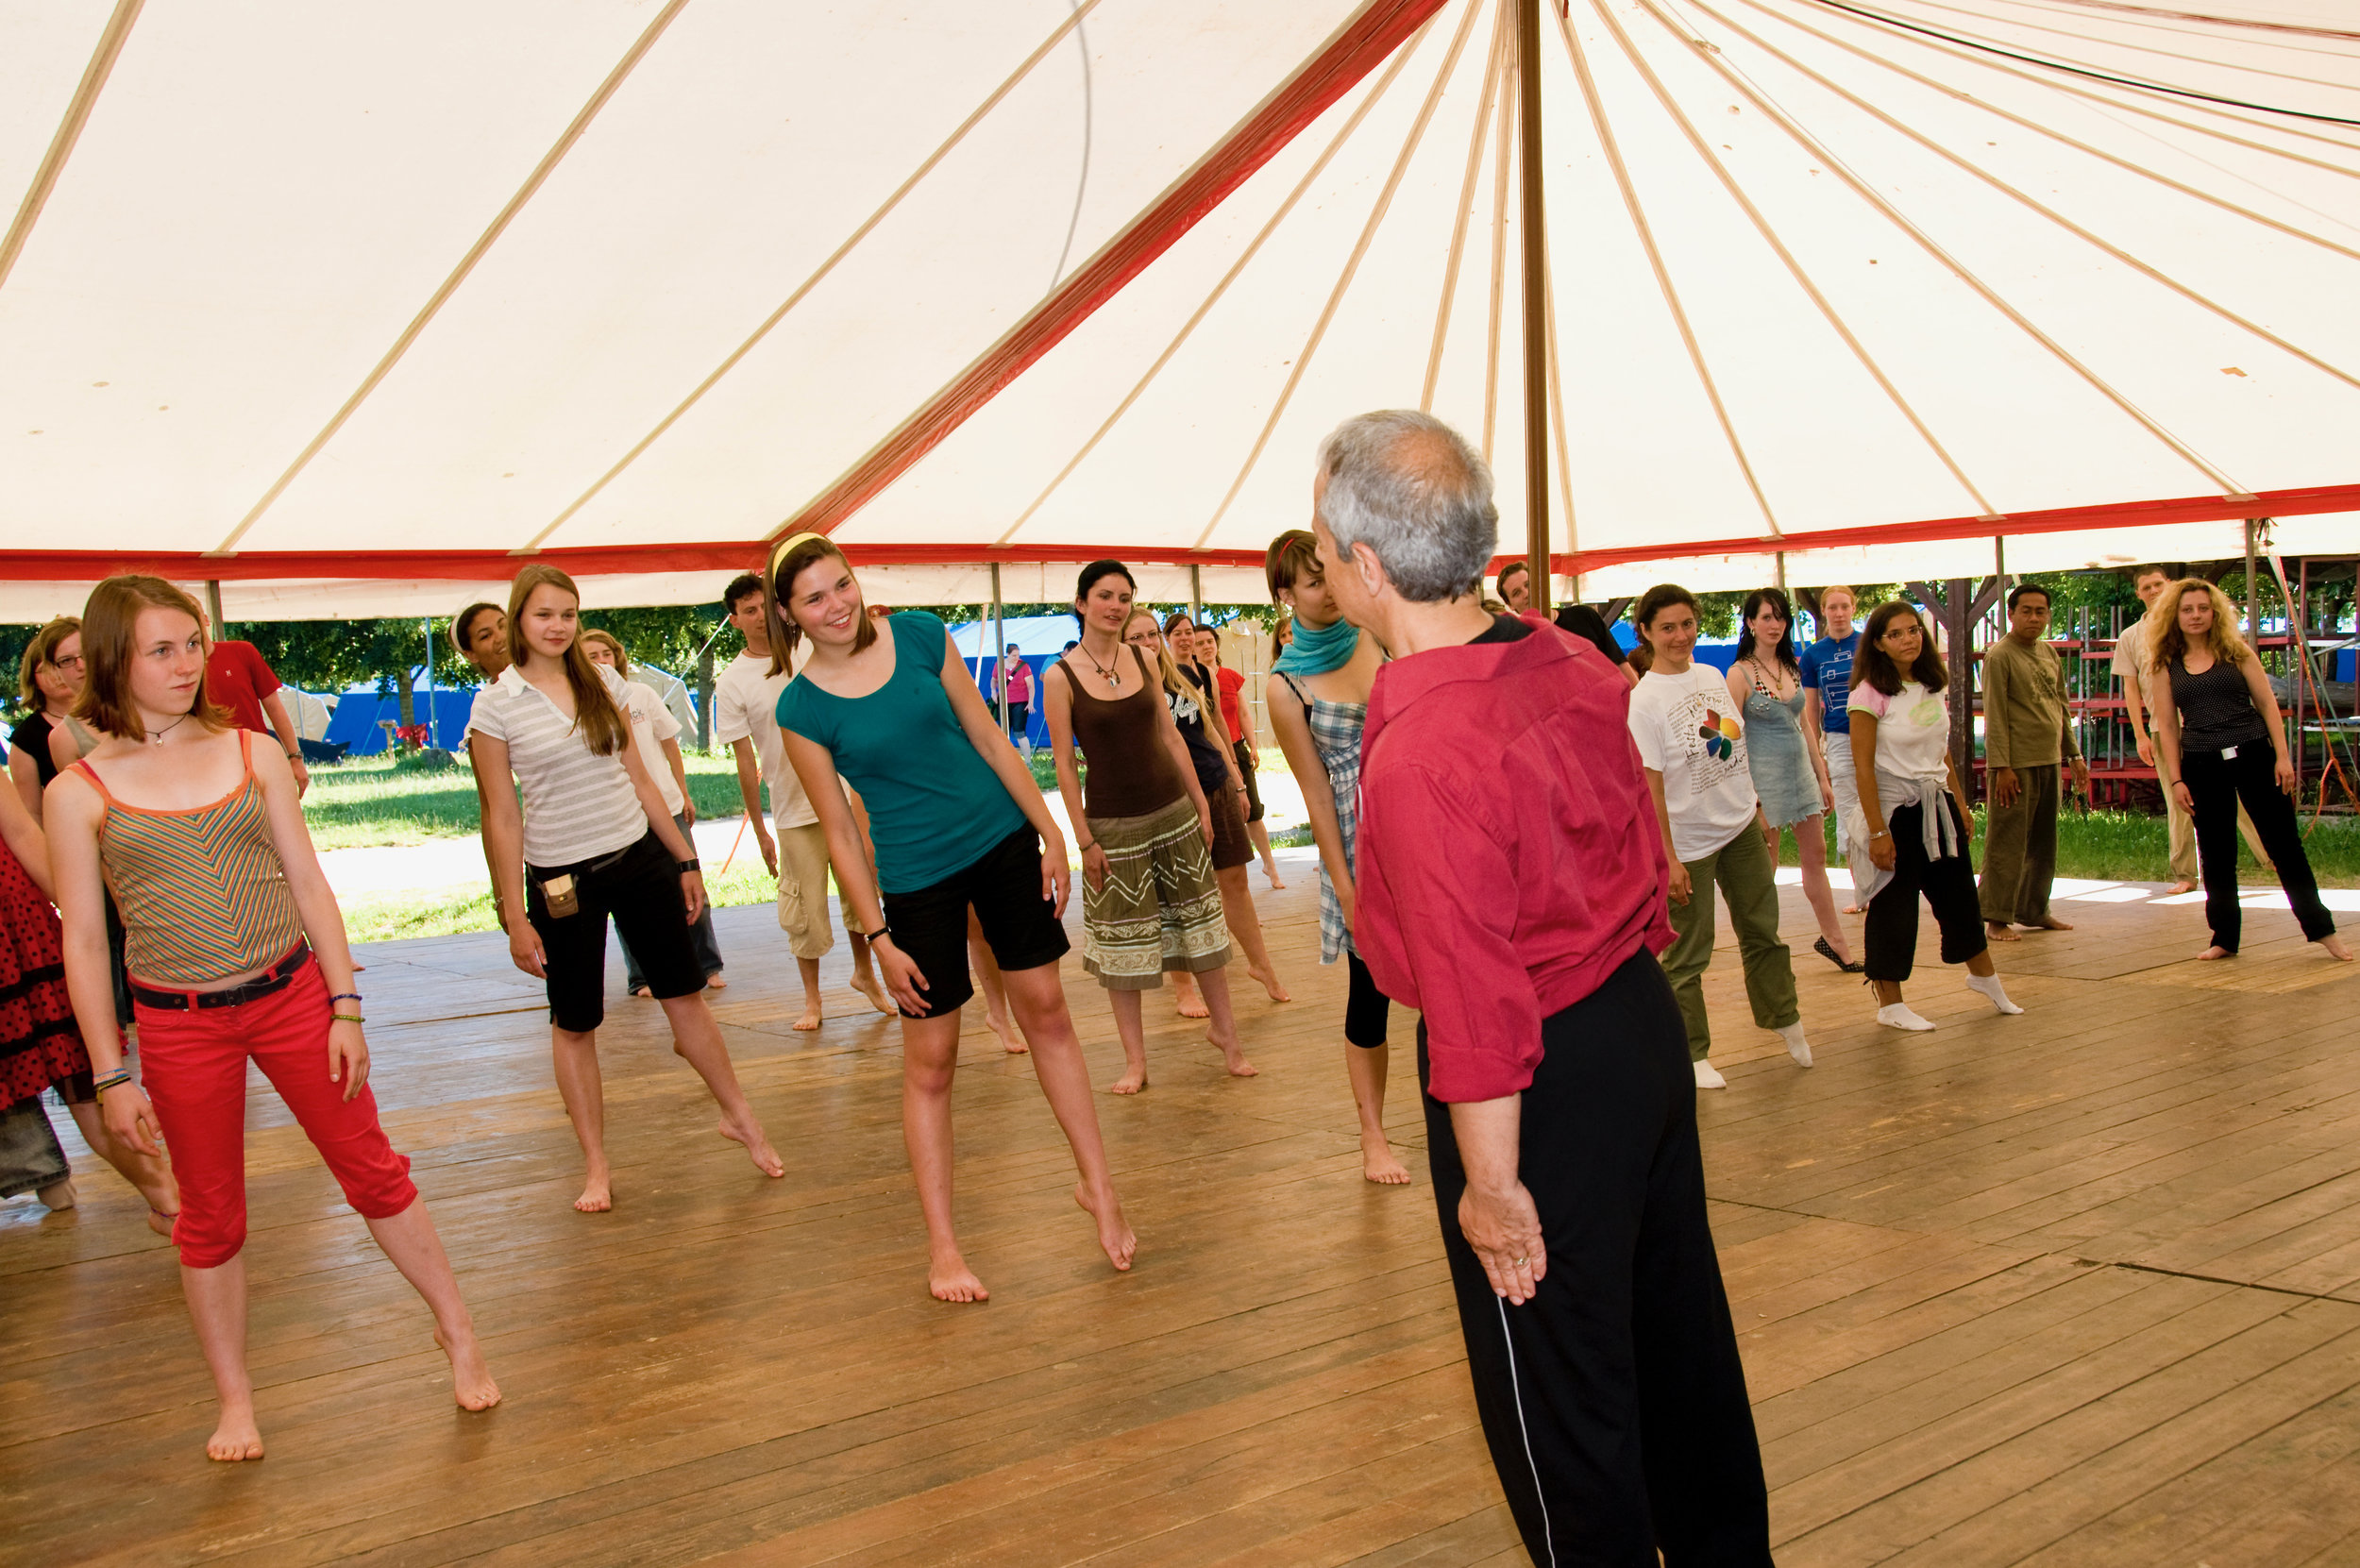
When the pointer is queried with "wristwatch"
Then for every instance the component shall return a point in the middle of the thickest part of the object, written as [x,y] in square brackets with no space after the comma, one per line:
[684,867]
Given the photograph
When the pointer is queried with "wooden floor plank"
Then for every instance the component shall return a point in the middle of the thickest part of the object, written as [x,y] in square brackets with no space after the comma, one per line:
[1969,1272]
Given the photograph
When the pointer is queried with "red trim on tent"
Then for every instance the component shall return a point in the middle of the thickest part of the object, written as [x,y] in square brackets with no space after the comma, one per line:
[1364,44]
[614,560]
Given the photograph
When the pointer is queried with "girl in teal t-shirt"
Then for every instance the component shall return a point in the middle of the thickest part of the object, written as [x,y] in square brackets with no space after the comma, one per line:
[958,823]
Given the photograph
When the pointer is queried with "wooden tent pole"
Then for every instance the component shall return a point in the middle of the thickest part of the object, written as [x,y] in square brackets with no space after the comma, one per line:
[999,651]
[1533,223]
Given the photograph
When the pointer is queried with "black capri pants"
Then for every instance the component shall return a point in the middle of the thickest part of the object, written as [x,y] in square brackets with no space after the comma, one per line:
[1949,886]
[1367,1013]
[640,887]
[1003,888]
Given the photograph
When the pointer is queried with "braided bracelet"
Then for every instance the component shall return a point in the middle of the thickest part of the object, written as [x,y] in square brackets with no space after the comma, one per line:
[345,996]
[121,1075]
[347,1017]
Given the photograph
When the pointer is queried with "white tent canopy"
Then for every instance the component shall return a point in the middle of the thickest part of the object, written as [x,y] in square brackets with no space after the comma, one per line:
[346,309]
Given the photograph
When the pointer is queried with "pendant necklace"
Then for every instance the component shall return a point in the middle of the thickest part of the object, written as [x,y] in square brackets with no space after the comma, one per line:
[158,735]
[1112,677]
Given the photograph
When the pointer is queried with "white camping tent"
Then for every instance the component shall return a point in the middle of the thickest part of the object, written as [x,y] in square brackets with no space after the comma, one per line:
[349,309]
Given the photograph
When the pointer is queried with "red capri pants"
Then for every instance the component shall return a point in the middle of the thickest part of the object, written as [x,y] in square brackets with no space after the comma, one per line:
[193,1065]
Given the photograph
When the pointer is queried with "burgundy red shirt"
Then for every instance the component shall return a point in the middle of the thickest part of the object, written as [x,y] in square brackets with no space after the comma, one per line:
[1508,860]
[237,678]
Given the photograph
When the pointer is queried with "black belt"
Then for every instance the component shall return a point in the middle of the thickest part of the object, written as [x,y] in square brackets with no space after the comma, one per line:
[277,978]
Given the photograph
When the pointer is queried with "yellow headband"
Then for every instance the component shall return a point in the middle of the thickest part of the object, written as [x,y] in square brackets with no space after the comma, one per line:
[778,551]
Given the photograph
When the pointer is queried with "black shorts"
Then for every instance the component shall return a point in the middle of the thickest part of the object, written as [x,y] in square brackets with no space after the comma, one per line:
[1367,1013]
[641,889]
[1004,886]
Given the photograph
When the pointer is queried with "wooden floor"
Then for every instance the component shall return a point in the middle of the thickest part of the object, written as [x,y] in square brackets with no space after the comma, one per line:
[2079,1287]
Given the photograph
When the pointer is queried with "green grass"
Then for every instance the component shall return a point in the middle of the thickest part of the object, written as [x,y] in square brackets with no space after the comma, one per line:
[467,907]
[2121,846]
[378,801]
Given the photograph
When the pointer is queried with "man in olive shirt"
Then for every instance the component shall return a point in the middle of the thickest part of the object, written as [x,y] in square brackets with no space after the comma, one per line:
[2028,735]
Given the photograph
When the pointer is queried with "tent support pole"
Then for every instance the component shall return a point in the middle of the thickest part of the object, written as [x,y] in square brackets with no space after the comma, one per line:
[1781,579]
[1196,593]
[999,651]
[1533,232]
[2252,625]
[221,628]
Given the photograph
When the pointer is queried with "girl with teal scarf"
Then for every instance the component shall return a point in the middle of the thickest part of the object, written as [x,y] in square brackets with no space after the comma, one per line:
[1319,699]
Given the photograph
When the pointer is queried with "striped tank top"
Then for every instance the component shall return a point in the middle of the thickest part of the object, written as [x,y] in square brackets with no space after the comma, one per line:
[202,893]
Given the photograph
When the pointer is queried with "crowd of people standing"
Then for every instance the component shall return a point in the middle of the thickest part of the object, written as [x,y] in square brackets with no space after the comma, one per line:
[1520,834]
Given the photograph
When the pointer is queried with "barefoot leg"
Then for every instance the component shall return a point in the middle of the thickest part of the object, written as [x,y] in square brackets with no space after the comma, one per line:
[1366,1066]
[1811,845]
[808,971]
[1223,1033]
[995,989]
[1185,997]
[148,1173]
[697,1039]
[865,979]
[1259,832]
[929,1056]
[409,1239]
[217,1308]
[575,1054]
[2001,931]
[1038,999]
[1236,906]
[1131,1028]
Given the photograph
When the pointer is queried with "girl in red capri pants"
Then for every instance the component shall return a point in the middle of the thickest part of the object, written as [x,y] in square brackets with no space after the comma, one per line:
[236,952]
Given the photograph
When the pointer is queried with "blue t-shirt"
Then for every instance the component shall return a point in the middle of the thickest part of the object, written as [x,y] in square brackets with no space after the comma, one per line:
[935,805]
[1828,664]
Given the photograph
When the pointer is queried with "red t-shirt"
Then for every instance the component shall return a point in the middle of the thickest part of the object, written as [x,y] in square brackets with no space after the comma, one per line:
[237,679]
[1232,714]
[1019,680]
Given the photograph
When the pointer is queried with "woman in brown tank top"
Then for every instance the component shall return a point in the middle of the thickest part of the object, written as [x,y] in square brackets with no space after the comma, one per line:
[1149,901]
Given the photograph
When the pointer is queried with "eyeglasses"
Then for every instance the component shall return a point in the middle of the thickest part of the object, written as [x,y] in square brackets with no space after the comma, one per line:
[72,661]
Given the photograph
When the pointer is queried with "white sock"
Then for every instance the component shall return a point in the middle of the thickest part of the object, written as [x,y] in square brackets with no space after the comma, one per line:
[1796,1045]
[1709,1076]
[1898,1015]
[1989,985]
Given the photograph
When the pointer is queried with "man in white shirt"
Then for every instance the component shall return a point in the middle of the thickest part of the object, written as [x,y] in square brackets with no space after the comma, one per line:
[746,718]
[2130,667]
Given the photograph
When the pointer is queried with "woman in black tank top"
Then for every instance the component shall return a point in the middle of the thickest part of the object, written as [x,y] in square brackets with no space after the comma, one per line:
[2220,742]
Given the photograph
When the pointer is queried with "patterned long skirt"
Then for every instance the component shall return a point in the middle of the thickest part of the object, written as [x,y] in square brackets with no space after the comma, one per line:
[1158,907]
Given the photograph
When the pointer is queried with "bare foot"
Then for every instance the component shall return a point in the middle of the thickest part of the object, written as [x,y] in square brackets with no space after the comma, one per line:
[1856,909]
[1233,1059]
[236,1438]
[2335,948]
[808,1021]
[161,1223]
[641,991]
[1192,1002]
[717,981]
[471,1382]
[2212,953]
[1010,1042]
[598,1195]
[765,1158]
[1999,930]
[1268,979]
[2179,885]
[951,1279]
[2051,923]
[1377,1162]
[1131,1081]
[1114,1231]
[1272,872]
[870,986]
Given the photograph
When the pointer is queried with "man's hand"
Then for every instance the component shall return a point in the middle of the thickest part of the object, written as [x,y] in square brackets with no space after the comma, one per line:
[2147,748]
[2004,787]
[1681,888]
[302,772]
[1504,1228]
[769,848]
[2080,776]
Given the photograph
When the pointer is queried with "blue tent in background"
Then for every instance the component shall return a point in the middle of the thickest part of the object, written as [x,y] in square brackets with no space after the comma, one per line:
[354,724]
[1037,640]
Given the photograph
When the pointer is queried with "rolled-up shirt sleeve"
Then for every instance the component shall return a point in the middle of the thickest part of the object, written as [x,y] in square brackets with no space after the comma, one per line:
[1445,907]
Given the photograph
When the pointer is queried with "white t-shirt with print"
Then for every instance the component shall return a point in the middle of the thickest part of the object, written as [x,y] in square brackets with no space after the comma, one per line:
[651,722]
[1688,730]
[1913,729]
[745,707]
